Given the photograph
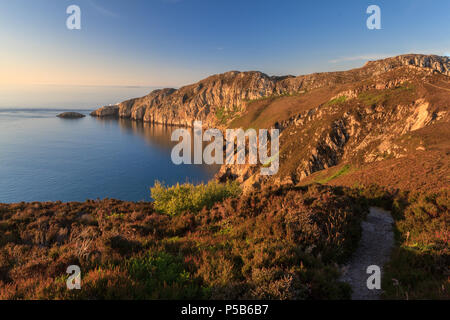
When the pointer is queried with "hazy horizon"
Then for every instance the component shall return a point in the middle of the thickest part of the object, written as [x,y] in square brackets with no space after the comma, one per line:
[67,97]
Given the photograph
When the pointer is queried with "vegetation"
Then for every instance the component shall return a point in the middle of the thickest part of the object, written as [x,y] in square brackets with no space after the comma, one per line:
[188,197]
[163,275]
[344,170]
[419,265]
[224,115]
[278,244]
[275,96]
[264,112]
[337,100]
[212,242]
[393,96]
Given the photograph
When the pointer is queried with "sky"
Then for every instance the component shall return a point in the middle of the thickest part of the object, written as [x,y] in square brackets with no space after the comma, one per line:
[170,43]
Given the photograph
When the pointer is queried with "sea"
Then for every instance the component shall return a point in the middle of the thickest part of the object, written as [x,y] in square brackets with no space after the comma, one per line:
[45,158]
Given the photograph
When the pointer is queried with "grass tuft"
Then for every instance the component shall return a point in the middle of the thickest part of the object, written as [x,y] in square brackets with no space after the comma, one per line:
[344,170]
[337,100]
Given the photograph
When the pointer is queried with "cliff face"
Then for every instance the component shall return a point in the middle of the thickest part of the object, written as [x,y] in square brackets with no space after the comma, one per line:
[199,101]
[228,93]
[355,117]
[380,118]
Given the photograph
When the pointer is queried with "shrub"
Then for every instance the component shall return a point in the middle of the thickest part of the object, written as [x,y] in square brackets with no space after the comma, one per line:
[177,199]
[280,243]
[163,277]
[419,265]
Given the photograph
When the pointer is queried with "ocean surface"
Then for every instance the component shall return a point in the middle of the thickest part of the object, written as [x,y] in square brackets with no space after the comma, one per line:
[45,158]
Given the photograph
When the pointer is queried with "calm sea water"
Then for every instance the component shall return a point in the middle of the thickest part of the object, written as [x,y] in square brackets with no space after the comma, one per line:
[44,158]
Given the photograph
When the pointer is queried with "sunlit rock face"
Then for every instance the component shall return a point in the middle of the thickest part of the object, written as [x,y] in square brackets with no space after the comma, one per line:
[229,92]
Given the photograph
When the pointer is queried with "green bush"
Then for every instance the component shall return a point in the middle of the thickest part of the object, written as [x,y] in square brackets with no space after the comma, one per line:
[179,198]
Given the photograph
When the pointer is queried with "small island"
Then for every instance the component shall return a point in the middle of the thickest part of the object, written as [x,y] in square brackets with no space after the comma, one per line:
[71,115]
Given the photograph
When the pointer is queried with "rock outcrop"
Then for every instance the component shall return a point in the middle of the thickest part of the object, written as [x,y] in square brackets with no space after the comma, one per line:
[434,63]
[107,111]
[71,115]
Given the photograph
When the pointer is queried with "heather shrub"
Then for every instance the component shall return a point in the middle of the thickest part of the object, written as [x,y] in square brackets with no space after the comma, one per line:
[163,276]
[280,243]
[122,245]
[98,284]
[419,266]
[270,284]
[188,197]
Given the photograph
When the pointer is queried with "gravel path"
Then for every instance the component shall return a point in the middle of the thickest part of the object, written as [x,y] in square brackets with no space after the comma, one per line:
[374,248]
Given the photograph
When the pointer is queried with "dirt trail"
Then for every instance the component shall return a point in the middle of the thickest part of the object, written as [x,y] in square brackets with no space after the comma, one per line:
[374,248]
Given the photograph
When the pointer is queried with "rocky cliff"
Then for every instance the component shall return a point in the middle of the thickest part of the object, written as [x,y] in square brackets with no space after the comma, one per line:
[378,118]
[354,117]
[220,98]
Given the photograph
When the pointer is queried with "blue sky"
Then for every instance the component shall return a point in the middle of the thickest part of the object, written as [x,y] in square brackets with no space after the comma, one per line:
[176,42]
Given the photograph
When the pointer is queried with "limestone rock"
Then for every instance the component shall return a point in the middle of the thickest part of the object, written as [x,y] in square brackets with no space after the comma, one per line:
[231,90]
[107,111]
